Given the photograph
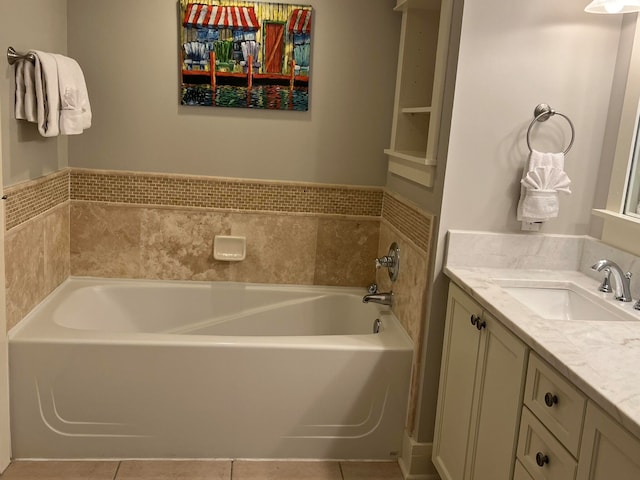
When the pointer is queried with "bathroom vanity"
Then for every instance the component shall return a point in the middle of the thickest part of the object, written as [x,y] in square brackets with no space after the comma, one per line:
[539,376]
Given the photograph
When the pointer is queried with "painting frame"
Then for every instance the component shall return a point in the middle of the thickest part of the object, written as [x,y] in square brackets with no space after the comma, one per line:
[245,54]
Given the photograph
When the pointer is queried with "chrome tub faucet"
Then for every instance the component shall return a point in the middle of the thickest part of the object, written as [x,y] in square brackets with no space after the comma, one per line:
[621,280]
[381,298]
[374,296]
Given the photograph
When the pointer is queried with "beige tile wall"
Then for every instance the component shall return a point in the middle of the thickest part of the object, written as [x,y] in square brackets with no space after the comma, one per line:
[411,228]
[36,260]
[169,243]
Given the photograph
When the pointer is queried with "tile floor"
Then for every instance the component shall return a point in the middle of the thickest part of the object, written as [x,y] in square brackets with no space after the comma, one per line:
[201,470]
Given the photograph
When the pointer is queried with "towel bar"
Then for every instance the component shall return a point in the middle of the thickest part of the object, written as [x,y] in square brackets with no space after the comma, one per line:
[544,112]
[13,56]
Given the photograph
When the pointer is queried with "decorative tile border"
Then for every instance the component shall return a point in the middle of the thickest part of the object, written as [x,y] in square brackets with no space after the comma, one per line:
[224,193]
[29,199]
[409,220]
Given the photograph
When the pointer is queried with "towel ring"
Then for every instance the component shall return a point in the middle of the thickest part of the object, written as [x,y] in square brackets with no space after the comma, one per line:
[544,112]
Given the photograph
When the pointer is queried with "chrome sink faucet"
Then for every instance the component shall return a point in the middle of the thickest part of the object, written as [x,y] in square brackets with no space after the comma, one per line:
[621,280]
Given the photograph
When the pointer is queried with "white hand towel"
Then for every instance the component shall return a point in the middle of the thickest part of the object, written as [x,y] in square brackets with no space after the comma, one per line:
[542,179]
[547,178]
[75,110]
[47,94]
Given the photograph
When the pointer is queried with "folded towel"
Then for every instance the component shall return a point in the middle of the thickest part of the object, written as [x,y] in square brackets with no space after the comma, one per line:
[25,92]
[547,178]
[542,179]
[75,111]
[52,93]
[47,94]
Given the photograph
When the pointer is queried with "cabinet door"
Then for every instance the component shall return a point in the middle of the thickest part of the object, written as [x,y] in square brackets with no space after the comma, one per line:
[457,378]
[607,451]
[497,403]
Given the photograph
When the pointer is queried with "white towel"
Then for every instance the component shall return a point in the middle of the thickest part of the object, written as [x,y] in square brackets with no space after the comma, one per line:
[52,93]
[542,179]
[25,92]
[75,111]
[47,94]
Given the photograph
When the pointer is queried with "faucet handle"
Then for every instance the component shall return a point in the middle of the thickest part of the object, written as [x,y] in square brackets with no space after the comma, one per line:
[606,281]
[373,288]
[385,261]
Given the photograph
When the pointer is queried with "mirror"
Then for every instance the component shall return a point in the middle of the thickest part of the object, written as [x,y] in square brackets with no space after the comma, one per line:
[632,201]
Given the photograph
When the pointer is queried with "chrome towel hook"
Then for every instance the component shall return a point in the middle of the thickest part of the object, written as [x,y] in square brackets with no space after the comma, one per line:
[544,112]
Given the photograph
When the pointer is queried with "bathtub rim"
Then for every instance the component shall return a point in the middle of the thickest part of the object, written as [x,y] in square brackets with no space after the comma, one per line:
[34,327]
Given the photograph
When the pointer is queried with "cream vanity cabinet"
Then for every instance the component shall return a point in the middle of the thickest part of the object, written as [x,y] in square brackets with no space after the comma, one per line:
[479,400]
[565,436]
[608,451]
[502,415]
[420,80]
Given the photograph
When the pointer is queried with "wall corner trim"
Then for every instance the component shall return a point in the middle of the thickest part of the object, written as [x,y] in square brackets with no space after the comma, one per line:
[415,461]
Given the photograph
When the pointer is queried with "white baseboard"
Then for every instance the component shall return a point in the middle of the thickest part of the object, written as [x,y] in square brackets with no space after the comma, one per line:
[415,461]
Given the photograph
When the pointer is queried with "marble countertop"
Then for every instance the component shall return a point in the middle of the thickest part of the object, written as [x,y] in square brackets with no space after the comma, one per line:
[602,358]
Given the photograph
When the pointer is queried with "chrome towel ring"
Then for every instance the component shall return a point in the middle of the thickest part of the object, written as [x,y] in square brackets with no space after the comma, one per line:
[544,112]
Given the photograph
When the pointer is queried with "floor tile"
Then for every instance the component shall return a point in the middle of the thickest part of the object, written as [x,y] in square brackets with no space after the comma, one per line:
[371,471]
[174,470]
[248,470]
[51,470]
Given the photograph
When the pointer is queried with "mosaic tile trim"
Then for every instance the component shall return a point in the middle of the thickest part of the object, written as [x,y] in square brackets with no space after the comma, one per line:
[222,193]
[409,220]
[29,199]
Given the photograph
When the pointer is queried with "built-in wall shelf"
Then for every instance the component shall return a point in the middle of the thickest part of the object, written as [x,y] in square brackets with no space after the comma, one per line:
[415,156]
[422,59]
[417,4]
[414,110]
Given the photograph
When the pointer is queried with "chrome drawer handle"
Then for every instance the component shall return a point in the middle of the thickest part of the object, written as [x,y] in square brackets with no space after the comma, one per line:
[550,399]
[541,459]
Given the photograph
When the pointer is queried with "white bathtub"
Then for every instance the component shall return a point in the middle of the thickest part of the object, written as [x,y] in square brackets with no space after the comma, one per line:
[150,369]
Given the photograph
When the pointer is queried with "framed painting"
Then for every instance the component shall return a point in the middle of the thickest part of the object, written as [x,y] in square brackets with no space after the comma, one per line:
[245,54]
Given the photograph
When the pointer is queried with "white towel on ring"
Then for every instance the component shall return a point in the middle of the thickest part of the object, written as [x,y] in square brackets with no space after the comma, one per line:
[541,181]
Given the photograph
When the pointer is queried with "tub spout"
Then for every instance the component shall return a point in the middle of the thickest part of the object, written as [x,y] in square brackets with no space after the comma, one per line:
[381,298]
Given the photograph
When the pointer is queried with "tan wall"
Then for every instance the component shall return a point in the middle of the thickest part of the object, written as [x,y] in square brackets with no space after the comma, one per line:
[29,25]
[129,52]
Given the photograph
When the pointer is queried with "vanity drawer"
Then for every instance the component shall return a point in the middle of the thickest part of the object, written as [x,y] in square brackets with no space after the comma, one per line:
[557,403]
[520,473]
[541,454]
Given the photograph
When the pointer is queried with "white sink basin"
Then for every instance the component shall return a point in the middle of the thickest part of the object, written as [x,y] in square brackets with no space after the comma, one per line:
[564,303]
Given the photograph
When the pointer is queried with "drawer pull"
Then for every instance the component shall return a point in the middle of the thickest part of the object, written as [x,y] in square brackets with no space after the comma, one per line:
[474,319]
[550,399]
[481,324]
[541,459]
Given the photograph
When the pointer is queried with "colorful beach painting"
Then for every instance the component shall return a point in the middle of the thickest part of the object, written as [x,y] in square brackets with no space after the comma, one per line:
[245,54]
